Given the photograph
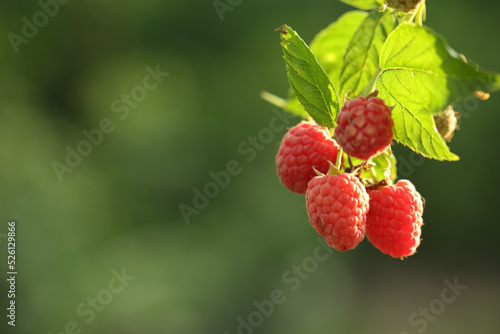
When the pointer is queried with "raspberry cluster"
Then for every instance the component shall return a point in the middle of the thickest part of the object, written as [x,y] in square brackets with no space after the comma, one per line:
[343,206]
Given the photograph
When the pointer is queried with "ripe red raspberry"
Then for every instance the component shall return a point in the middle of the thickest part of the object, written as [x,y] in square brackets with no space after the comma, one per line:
[395,219]
[337,207]
[305,146]
[364,127]
[404,5]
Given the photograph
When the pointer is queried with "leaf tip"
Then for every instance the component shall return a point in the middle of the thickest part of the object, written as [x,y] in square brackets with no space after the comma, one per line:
[454,157]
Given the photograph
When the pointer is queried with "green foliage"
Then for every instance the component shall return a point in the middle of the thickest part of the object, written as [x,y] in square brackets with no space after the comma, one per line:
[414,69]
[308,79]
[422,75]
[330,45]
[382,162]
[294,106]
[361,60]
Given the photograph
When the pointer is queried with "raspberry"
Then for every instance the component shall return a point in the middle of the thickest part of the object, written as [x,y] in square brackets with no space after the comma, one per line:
[446,123]
[395,219]
[337,207]
[305,146]
[364,127]
[404,5]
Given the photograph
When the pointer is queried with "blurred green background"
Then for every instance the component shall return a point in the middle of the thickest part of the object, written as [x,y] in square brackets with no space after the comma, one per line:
[119,208]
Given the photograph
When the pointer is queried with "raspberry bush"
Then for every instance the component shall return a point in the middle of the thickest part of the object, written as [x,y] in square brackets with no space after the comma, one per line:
[375,77]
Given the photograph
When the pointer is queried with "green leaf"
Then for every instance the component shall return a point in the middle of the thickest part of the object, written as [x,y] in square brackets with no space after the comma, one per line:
[295,107]
[381,162]
[329,47]
[421,75]
[361,60]
[309,81]
[365,4]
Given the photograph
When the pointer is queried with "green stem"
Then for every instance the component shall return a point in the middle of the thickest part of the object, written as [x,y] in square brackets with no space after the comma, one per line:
[408,18]
[420,17]
[339,158]
[373,174]
[388,170]
[370,88]
[273,99]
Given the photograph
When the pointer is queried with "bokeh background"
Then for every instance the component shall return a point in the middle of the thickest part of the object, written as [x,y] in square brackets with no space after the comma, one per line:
[119,208]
